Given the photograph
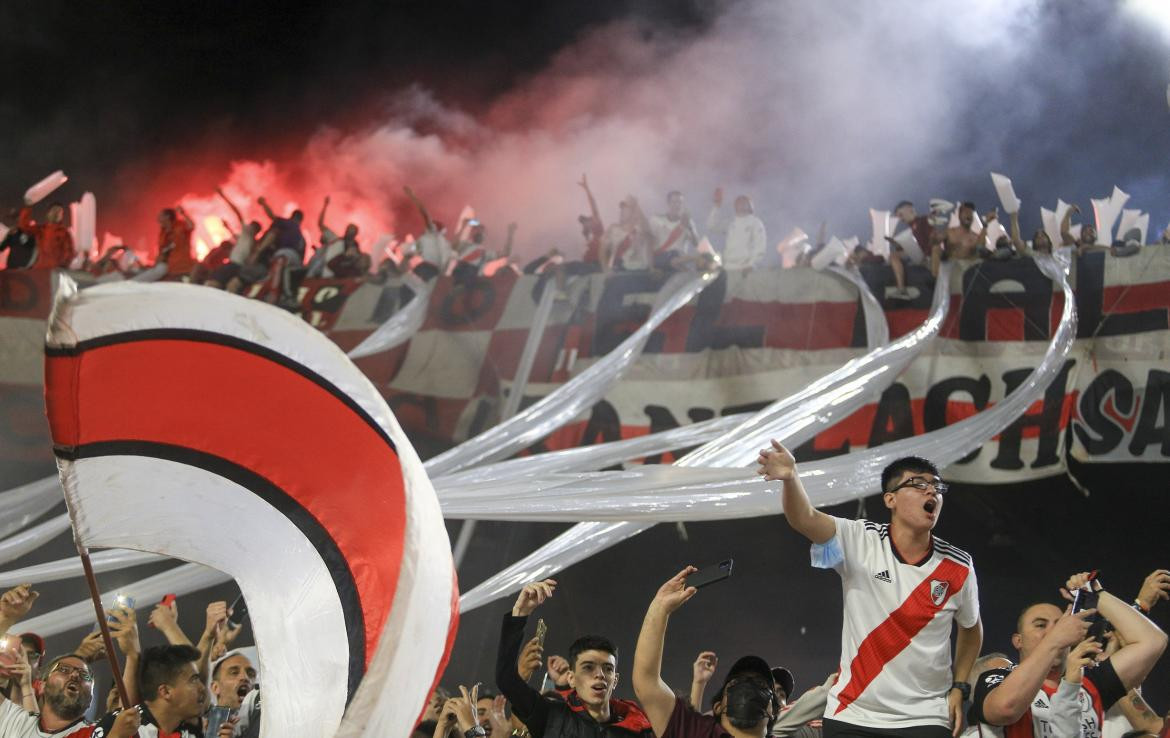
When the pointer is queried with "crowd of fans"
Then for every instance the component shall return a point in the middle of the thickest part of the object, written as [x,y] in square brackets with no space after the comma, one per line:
[1077,671]
[175,687]
[277,253]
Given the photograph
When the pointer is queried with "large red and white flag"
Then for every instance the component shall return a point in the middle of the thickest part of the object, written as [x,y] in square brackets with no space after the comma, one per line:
[177,415]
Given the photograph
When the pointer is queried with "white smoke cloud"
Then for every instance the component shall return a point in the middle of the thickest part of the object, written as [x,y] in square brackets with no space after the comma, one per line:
[817,110]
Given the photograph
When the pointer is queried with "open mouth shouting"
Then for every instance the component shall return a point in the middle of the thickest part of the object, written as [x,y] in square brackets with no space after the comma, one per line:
[931,507]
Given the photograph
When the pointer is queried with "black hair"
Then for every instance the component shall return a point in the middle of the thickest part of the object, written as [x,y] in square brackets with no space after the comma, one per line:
[161,665]
[485,695]
[905,464]
[967,204]
[590,643]
[904,203]
[298,214]
[170,213]
[1020,617]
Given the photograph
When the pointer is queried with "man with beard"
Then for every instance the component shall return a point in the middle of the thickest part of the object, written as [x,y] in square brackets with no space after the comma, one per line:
[1060,688]
[903,590]
[68,688]
[746,705]
[589,710]
[172,691]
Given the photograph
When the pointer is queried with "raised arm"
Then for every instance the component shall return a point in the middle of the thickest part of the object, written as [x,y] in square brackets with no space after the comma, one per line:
[702,671]
[1144,641]
[584,183]
[183,214]
[321,218]
[124,631]
[239,216]
[422,209]
[1017,239]
[1006,703]
[1066,236]
[655,695]
[527,703]
[165,618]
[777,464]
[262,202]
[15,604]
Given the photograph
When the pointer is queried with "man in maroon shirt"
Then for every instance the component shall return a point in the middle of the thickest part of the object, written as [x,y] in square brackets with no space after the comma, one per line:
[746,705]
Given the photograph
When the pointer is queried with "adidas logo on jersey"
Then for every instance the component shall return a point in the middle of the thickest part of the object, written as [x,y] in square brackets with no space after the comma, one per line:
[883,576]
[1039,703]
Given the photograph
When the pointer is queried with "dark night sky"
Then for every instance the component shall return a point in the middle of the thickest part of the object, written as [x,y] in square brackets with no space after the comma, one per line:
[104,90]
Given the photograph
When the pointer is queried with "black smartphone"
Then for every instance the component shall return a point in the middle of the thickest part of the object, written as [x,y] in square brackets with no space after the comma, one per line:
[239,610]
[710,574]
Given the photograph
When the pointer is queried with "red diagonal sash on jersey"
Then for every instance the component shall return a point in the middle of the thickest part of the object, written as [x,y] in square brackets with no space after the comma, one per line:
[889,639]
[674,236]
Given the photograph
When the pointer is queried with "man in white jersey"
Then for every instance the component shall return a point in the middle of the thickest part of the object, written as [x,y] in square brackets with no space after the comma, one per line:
[1051,693]
[903,588]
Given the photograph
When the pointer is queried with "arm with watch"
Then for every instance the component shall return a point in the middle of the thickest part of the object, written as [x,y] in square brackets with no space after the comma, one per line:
[967,645]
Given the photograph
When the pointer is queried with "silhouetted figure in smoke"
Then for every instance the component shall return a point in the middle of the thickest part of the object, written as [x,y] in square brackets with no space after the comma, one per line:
[332,246]
[745,241]
[287,244]
[431,245]
[20,245]
[592,229]
[240,259]
[627,242]
[673,232]
[174,241]
[924,236]
[54,243]
[962,241]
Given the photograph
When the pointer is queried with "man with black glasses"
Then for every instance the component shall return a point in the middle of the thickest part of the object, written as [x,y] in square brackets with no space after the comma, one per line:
[903,589]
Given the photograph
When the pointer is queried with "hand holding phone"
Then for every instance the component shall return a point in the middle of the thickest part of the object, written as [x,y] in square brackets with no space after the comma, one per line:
[711,574]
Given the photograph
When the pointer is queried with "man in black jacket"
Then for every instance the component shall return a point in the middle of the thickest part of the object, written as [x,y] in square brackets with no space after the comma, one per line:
[589,710]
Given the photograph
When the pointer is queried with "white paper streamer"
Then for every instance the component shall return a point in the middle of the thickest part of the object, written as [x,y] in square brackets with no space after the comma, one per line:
[591,458]
[528,354]
[1007,193]
[30,539]
[794,419]
[181,580]
[42,189]
[570,399]
[877,328]
[52,571]
[828,482]
[400,326]
[22,505]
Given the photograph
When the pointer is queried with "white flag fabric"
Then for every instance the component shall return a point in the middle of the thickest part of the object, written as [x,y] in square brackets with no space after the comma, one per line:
[335,538]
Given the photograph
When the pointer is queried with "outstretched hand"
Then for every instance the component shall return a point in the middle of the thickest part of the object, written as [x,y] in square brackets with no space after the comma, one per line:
[776,463]
[674,593]
[532,596]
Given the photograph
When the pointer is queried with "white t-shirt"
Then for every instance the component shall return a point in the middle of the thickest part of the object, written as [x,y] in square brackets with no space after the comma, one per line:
[895,668]
[242,249]
[16,723]
[746,242]
[331,245]
[433,247]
